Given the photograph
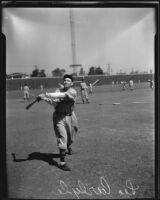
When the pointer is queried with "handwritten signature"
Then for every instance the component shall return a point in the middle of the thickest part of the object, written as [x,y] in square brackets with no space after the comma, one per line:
[102,189]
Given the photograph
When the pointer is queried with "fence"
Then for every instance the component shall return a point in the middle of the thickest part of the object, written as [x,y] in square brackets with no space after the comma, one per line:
[35,83]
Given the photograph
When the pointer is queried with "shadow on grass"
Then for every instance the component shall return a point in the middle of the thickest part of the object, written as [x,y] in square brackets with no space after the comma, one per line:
[79,103]
[46,157]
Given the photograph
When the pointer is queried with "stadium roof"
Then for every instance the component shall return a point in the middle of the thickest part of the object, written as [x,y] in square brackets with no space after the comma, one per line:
[17,75]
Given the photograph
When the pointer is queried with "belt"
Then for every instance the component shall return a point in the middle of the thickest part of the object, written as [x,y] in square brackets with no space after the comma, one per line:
[61,113]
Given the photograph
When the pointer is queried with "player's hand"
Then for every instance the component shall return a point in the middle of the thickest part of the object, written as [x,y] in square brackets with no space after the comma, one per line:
[40,97]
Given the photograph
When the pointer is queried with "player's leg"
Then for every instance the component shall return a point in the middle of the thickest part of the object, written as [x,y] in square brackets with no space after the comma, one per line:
[86,95]
[61,135]
[82,96]
[24,97]
[70,139]
[91,90]
[27,96]
[70,133]
[72,129]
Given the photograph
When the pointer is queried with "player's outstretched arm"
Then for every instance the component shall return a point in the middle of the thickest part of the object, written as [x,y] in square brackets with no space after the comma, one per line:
[48,100]
[55,95]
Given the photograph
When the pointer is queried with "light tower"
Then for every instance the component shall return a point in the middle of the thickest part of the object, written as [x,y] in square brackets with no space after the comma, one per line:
[109,69]
[74,64]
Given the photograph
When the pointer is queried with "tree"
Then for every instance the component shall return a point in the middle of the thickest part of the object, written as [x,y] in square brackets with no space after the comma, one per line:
[42,73]
[58,72]
[35,73]
[38,73]
[95,70]
[134,72]
[99,70]
[92,71]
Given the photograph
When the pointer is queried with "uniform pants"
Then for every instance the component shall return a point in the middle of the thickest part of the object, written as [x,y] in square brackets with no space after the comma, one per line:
[84,94]
[26,95]
[65,127]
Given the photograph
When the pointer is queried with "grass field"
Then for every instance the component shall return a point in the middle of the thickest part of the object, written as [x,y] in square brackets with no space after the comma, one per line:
[113,152]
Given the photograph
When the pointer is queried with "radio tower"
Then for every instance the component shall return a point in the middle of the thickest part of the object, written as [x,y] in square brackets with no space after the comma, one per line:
[73,42]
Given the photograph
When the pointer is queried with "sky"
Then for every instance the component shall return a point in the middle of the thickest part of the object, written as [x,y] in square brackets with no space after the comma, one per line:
[120,37]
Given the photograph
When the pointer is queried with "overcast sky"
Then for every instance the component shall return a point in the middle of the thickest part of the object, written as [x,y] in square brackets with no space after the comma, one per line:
[121,37]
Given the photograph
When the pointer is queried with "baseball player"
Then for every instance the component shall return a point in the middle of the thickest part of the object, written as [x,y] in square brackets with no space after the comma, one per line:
[41,87]
[26,92]
[90,88]
[64,119]
[131,85]
[83,91]
[151,84]
[123,85]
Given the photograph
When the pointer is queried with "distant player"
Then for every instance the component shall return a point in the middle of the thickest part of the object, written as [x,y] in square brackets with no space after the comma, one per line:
[83,91]
[131,85]
[26,92]
[151,84]
[123,85]
[90,87]
[41,87]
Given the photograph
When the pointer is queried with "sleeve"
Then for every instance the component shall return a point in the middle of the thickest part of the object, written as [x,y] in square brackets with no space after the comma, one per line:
[57,90]
[56,95]
[85,85]
[71,94]
[49,101]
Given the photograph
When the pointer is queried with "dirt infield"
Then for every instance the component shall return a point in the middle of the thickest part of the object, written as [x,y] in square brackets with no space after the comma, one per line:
[113,153]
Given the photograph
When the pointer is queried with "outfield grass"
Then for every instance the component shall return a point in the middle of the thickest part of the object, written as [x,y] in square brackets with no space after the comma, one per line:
[113,150]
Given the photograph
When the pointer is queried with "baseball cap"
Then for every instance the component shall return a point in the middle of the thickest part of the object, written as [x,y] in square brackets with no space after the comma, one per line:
[68,76]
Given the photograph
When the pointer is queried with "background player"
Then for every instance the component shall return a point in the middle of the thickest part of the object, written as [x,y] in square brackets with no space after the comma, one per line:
[41,87]
[151,84]
[26,92]
[90,87]
[83,91]
[123,85]
[131,85]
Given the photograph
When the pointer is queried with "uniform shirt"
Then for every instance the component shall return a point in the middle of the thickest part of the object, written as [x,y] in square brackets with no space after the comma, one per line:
[90,85]
[26,88]
[66,105]
[131,83]
[123,83]
[83,85]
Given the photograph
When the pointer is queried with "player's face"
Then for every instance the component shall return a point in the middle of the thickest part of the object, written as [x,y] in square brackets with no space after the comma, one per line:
[67,82]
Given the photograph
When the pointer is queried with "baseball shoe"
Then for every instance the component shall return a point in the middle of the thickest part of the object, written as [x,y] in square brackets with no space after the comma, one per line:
[14,157]
[64,167]
[69,151]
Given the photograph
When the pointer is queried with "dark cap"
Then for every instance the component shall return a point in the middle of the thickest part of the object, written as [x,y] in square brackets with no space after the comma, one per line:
[68,76]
